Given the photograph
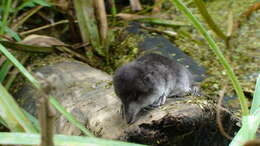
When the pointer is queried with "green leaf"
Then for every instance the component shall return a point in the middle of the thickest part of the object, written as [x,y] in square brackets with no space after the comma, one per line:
[33,3]
[87,24]
[13,34]
[34,139]
[256,99]
[248,130]
[2,121]
[12,113]
[250,123]
[5,68]
[34,121]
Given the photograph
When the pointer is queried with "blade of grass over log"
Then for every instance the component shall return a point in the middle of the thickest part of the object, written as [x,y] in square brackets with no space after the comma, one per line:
[243,102]
[75,122]
[87,24]
[29,48]
[203,11]
[37,85]
[12,114]
[19,66]
[34,139]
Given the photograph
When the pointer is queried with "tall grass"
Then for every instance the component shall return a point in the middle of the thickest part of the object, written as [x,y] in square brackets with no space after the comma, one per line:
[37,85]
[250,121]
[34,139]
[243,102]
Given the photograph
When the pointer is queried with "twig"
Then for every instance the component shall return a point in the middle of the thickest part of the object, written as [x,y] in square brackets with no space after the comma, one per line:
[169,33]
[102,20]
[253,8]
[24,17]
[218,116]
[46,113]
[73,53]
[113,10]
[246,15]
[230,22]
[157,6]
[79,45]
[136,5]
[254,142]
[24,47]
[2,60]
[43,27]
[6,37]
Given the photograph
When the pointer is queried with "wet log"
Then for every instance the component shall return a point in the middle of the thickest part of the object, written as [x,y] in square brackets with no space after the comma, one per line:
[88,94]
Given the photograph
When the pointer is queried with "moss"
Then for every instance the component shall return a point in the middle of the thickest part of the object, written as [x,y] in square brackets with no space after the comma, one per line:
[123,51]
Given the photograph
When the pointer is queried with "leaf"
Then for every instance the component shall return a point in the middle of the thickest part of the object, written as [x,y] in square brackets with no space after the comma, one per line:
[34,139]
[12,114]
[256,99]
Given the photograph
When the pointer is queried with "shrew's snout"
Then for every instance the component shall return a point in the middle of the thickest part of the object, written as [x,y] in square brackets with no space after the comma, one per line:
[129,112]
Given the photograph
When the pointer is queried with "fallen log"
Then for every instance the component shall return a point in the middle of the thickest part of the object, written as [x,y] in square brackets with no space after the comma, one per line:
[88,94]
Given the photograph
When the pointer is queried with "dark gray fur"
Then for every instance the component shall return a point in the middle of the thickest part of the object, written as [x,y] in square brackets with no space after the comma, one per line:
[147,81]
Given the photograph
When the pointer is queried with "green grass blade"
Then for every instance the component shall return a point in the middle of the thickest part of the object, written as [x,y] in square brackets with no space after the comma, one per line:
[34,139]
[218,53]
[203,11]
[11,108]
[256,99]
[162,22]
[75,122]
[34,121]
[36,84]
[33,3]
[5,68]
[19,66]
[250,123]
[28,48]
[7,7]
[87,24]
[2,121]
[248,130]
[10,79]
[10,32]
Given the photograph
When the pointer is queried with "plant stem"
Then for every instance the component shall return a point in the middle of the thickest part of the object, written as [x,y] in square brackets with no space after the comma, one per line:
[7,5]
[203,11]
[218,53]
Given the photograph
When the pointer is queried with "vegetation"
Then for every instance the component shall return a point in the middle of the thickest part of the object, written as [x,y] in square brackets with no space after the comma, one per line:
[99,43]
